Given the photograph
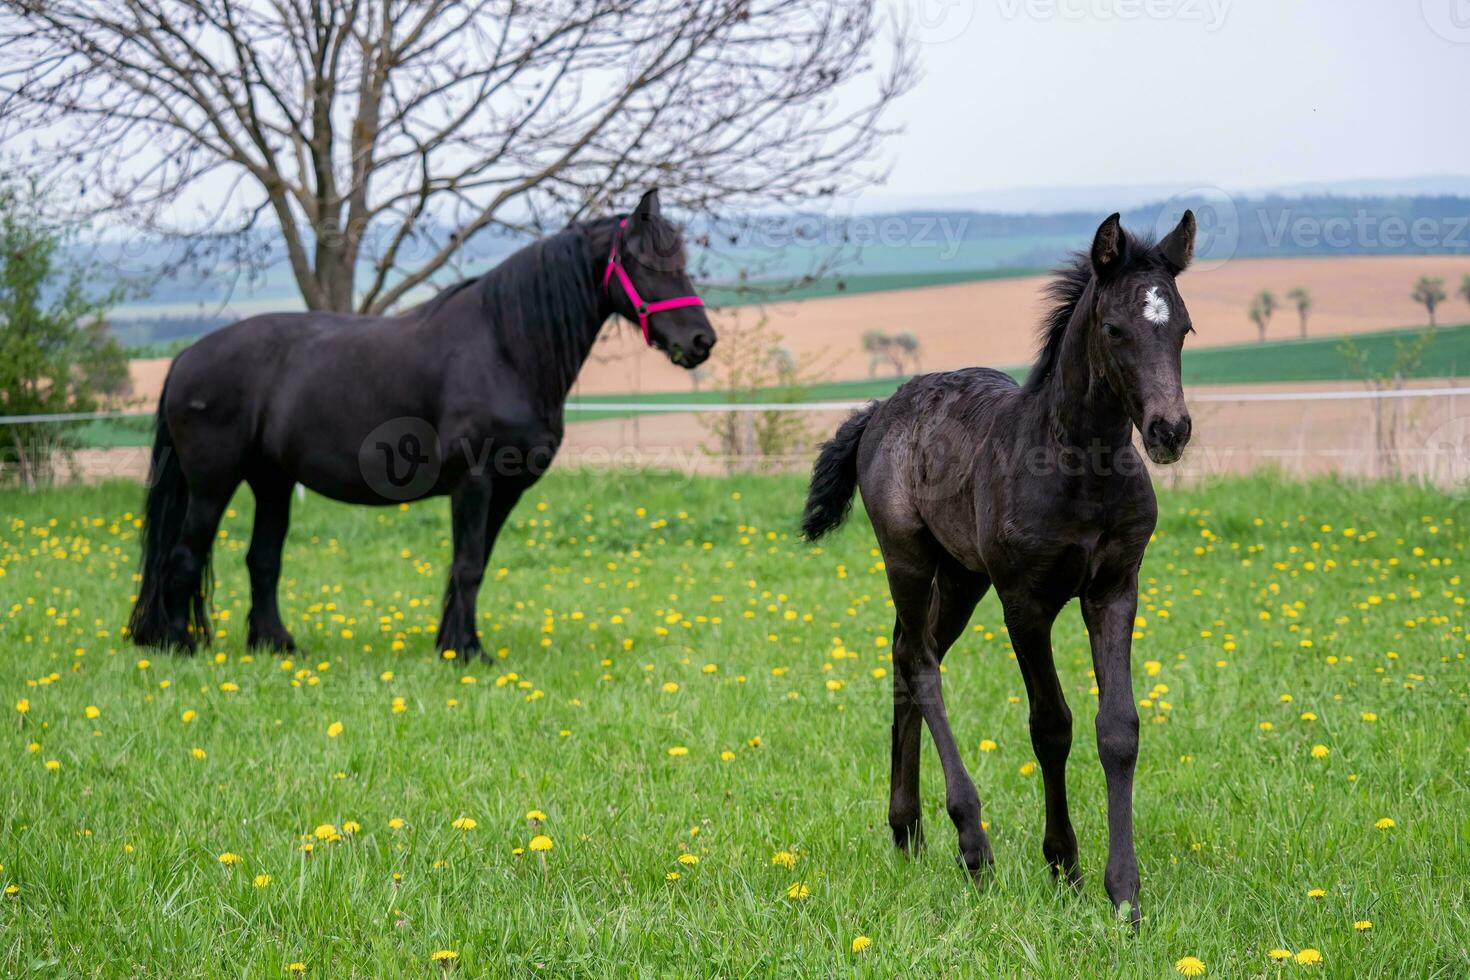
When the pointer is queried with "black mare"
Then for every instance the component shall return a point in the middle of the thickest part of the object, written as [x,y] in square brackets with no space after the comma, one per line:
[463,396]
[973,481]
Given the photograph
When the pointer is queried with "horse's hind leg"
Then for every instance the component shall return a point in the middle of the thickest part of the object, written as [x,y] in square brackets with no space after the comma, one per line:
[918,600]
[187,588]
[1029,623]
[272,519]
[958,594]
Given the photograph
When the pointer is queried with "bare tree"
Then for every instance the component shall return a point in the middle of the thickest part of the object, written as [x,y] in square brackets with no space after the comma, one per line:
[1429,290]
[908,344]
[1263,304]
[378,136]
[1303,300]
[1464,289]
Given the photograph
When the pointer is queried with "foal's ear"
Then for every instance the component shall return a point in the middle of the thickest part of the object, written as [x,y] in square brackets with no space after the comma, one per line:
[1177,248]
[648,204]
[1109,246]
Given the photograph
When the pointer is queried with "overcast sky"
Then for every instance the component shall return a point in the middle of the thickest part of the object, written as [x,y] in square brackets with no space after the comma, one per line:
[1238,94]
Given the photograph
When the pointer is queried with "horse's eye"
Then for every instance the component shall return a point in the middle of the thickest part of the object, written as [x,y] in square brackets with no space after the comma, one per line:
[1113,331]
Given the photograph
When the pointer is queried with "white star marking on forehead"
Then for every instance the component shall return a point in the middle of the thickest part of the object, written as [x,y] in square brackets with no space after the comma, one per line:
[1155,310]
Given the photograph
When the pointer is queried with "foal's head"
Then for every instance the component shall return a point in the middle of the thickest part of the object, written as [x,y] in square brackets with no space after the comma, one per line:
[653,255]
[1138,326]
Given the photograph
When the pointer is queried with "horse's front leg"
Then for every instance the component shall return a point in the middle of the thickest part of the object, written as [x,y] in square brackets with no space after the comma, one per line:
[1109,608]
[469,510]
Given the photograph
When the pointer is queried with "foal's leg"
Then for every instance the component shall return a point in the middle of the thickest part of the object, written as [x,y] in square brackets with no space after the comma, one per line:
[1029,623]
[916,672]
[272,519]
[958,594]
[1108,609]
[186,566]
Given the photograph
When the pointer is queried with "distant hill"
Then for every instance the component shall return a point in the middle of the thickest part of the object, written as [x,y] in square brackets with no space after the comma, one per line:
[821,254]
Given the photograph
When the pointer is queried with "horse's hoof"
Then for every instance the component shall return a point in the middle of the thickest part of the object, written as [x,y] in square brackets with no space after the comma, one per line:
[909,839]
[276,643]
[1067,873]
[978,867]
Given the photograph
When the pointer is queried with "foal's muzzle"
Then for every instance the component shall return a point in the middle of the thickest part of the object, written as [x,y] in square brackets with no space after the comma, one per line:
[1165,438]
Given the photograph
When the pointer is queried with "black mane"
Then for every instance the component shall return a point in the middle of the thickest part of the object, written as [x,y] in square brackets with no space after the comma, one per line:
[1067,286]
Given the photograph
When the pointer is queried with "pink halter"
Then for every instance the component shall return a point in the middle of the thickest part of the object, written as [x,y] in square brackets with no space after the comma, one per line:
[645,310]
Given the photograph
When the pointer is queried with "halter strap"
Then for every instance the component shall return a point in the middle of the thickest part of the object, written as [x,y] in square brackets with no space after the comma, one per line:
[644,310]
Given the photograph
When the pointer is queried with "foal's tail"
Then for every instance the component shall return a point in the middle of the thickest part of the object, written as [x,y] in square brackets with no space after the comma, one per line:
[163,519]
[834,477]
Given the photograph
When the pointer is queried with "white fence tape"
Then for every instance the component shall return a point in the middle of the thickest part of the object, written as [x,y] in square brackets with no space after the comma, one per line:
[839,406]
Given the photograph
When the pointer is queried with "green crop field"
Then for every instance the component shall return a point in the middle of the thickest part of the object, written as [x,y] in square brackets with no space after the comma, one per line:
[687,712]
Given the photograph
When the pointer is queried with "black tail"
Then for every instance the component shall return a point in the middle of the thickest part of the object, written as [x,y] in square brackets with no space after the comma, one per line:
[163,519]
[834,477]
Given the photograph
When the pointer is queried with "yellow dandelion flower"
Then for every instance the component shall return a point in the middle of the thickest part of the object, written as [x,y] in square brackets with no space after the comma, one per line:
[1363,925]
[444,955]
[687,858]
[670,687]
[541,843]
[351,826]
[297,967]
[987,745]
[1266,726]
[396,823]
[799,891]
[726,755]
[1368,716]
[1316,892]
[23,705]
[1320,751]
[228,858]
[860,943]
[672,876]
[536,815]
[678,750]
[334,729]
[465,823]
[1308,957]
[1027,768]
[92,711]
[53,764]
[262,880]
[1190,966]
[1278,954]
[784,859]
[1385,823]
[198,753]
[189,715]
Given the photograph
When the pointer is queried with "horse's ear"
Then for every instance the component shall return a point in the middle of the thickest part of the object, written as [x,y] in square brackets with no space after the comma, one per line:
[1177,248]
[1109,246]
[648,204]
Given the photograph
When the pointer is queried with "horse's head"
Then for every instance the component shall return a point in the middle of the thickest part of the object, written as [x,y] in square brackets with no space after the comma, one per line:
[1138,327]
[649,256]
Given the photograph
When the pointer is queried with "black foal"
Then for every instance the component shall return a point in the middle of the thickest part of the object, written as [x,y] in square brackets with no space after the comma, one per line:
[972,481]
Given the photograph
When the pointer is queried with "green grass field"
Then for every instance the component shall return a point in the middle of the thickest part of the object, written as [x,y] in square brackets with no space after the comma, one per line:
[698,705]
